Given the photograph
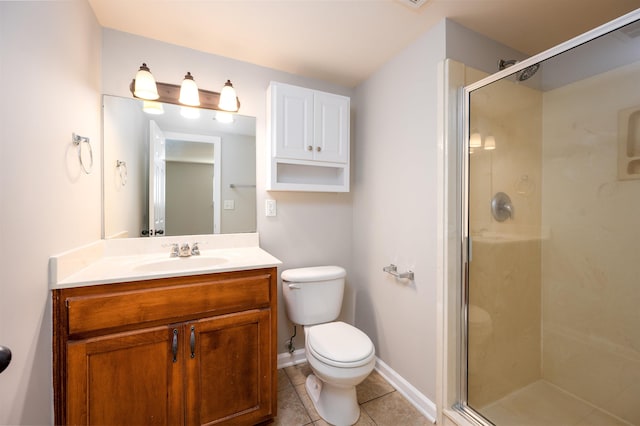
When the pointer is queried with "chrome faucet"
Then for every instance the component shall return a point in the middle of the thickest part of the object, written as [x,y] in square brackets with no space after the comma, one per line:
[185,251]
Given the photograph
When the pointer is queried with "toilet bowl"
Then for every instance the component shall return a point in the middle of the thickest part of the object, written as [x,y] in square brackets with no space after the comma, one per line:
[340,355]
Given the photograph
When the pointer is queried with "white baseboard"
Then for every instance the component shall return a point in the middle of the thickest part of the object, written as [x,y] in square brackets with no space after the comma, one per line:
[423,404]
[287,359]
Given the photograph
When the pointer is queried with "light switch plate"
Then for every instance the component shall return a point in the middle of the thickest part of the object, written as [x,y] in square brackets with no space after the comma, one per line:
[229,204]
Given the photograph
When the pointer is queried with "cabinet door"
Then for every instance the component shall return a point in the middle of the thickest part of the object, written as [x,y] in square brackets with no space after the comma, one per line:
[229,371]
[292,115]
[125,379]
[331,115]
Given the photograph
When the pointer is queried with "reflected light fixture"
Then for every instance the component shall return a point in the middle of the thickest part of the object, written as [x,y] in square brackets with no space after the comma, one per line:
[490,143]
[152,107]
[145,85]
[223,117]
[228,98]
[190,112]
[189,91]
[475,141]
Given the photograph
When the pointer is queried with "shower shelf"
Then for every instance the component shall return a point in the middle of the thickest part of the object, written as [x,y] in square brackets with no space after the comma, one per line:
[629,143]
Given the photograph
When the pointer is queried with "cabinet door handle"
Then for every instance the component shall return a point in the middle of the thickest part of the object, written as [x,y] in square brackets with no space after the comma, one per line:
[174,345]
[193,341]
[318,148]
[309,148]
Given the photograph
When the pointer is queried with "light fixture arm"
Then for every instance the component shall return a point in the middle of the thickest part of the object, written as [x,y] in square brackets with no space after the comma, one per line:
[170,93]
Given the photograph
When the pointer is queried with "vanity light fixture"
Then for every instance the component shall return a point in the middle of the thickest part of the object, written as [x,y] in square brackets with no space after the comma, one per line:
[189,91]
[490,143]
[475,141]
[145,87]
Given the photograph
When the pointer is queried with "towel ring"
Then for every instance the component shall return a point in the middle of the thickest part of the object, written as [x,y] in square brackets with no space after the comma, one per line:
[78,141]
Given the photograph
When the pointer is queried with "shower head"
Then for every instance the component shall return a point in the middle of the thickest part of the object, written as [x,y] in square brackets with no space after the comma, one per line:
[521,75]
[504,63]
[527,73]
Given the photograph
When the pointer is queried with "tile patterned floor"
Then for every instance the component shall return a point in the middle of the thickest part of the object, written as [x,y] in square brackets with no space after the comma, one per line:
[543,404]
[380,403]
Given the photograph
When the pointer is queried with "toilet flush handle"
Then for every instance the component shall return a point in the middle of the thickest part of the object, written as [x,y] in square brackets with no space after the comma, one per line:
[294,286]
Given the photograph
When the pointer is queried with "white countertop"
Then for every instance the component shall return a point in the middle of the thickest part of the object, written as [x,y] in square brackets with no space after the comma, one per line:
[136,259]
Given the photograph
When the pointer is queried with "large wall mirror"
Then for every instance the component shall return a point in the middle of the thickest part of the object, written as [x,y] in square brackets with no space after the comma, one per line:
[179,172]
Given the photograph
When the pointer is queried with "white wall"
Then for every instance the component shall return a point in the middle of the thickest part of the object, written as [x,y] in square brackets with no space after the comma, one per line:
[47,204]
[125,125]
[310,228]
[238,168]
[395,209]
[395,197]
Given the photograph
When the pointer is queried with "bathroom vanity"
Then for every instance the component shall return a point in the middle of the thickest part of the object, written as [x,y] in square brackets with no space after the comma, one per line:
[196,345]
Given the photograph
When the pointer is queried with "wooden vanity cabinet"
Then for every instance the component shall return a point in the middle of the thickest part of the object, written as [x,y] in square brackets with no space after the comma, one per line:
[196,350]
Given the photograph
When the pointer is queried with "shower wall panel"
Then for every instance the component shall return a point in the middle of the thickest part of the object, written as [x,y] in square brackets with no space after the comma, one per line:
[591,292]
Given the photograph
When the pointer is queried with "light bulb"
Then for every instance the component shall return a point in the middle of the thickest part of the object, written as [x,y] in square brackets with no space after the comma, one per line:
[145,85]
[189,91]
[228,99]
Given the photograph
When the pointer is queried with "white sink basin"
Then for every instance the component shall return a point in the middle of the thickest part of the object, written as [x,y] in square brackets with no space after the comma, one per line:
[180,264]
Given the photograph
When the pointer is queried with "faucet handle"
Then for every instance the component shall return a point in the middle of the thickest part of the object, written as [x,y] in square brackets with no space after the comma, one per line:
[195,250]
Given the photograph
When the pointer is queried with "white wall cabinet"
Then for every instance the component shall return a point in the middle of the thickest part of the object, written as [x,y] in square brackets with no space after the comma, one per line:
[309,139]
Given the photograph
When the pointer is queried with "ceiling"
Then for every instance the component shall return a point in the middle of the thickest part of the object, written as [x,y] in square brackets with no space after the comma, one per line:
[345,41]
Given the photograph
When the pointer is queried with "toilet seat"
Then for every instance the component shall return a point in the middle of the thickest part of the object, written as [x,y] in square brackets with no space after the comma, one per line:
[340,345]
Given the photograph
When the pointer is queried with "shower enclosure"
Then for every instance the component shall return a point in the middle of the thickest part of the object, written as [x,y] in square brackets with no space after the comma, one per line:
[551,236]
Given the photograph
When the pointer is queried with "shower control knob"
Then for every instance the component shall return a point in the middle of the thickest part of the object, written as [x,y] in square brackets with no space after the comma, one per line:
[501,207]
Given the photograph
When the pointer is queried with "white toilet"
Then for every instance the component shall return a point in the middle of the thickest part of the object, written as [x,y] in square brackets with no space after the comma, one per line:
[340,355]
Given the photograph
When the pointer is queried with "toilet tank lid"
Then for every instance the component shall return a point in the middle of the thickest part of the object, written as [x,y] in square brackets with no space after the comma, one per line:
[315,273]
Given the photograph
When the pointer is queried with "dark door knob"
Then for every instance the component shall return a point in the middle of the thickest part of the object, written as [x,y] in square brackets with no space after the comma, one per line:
[5,357]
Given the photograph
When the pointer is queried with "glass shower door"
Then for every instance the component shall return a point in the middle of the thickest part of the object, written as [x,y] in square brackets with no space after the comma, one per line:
[553,206]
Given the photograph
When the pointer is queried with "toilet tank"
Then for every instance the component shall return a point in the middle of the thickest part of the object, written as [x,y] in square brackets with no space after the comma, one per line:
[313,295]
